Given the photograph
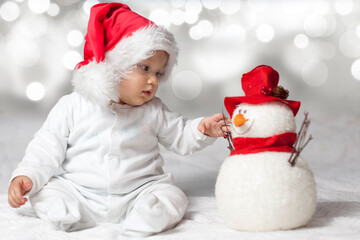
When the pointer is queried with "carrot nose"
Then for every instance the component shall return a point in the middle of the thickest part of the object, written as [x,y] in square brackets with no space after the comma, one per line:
[239,120]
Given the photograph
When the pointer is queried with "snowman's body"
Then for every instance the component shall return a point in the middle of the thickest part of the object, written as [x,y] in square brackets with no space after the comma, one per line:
[261,191]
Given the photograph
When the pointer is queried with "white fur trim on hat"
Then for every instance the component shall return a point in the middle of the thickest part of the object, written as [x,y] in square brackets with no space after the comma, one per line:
[99,81]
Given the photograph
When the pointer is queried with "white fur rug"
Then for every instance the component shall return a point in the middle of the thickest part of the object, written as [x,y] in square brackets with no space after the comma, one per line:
[334,156]
[337,218]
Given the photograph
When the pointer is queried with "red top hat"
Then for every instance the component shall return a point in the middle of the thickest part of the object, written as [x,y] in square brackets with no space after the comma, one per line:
[258,85]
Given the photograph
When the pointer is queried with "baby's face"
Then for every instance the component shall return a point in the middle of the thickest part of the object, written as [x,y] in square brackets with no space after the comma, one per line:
[141,84]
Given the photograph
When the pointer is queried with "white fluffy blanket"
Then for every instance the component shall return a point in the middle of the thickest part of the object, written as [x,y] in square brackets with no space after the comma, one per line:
[333,155]
[335,218]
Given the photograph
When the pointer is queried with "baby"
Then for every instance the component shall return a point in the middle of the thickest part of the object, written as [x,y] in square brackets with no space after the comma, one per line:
[96,158]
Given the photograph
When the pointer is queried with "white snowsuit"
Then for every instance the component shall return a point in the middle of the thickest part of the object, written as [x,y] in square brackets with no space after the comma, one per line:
[92,164]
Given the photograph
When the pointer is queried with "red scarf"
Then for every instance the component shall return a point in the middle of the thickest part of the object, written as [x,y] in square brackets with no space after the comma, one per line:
[278,143]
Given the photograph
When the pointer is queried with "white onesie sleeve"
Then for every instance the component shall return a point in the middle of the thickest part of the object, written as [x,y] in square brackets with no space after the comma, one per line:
[179,134]
[46,151]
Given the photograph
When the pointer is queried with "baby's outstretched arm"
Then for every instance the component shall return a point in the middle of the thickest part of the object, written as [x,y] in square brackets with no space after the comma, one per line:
[214,126]
[19,186]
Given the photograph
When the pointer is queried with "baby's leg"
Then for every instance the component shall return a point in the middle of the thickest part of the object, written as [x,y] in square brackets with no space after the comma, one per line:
[158,208]
[60,204]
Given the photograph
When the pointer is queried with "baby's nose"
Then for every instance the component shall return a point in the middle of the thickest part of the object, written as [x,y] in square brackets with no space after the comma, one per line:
[153,80]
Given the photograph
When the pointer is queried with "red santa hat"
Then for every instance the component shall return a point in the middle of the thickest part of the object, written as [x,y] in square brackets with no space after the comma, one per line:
[117,39]
[258,85]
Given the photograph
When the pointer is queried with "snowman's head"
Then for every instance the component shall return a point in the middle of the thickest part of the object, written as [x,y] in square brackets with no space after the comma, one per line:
[262,120]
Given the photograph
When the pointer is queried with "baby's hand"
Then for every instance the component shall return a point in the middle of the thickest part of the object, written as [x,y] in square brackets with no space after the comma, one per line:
[18,188]
[214,126]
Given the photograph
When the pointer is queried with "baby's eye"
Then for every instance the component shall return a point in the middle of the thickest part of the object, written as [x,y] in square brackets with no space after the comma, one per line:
[159,74]
[144,67]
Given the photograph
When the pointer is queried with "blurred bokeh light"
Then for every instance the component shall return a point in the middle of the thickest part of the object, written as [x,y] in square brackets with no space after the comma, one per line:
[9,11]
[313,44]
[35,91]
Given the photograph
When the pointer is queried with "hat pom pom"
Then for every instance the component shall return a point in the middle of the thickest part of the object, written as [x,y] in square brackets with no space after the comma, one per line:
[96,81]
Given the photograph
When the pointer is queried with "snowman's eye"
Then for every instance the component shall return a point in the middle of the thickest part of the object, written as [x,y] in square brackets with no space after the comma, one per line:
[240,110]
[245,111]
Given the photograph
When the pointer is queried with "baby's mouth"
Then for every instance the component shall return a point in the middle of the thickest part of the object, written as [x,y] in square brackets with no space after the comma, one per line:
[148,92]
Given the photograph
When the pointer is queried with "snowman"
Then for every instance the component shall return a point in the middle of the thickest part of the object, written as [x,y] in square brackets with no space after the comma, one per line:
[261,186]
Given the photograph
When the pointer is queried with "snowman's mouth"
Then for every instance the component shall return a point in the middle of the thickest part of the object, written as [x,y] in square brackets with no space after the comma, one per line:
[245,130]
